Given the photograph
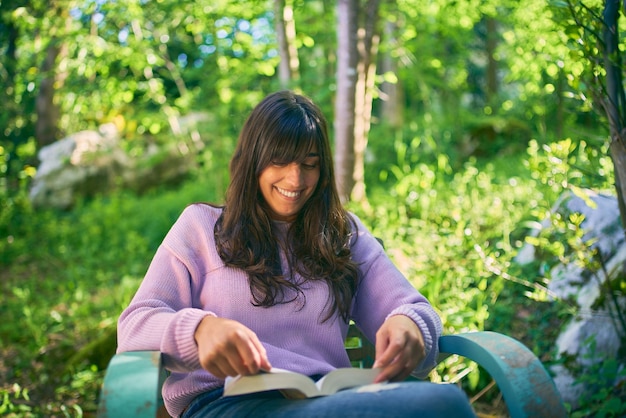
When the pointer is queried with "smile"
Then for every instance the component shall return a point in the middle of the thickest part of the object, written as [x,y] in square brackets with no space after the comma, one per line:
[287,193]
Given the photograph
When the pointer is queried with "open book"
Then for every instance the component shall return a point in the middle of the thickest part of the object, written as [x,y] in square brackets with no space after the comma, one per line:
[298,386]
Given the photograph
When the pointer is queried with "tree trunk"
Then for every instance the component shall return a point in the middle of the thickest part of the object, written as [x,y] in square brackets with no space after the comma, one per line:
[47,111]
[288,68]
[615,104]
[356,70]
[347,12]
[491,42]
[284,75]
[368,41]
[10,62]
[390,92]
[560,103]
[290,31]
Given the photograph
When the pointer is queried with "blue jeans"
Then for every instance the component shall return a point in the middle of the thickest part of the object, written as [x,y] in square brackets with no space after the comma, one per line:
[405,399]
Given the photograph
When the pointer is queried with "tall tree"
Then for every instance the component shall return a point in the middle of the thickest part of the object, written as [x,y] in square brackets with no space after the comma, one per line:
[347,59]
[357,47]
[368,40]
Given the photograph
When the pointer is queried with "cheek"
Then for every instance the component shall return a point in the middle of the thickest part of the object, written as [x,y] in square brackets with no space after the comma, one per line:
[312,179]
[263,187]
[265,179]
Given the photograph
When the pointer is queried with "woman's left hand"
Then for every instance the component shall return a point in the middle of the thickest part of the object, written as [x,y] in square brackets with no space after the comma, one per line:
[399,348]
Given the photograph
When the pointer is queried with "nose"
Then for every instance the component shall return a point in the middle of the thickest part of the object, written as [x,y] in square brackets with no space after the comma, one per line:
[294,174]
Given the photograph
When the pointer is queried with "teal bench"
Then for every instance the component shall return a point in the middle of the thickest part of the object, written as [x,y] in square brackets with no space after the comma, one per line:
[133,380]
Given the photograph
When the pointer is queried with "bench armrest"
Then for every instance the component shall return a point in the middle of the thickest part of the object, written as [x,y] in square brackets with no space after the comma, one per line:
[526,386]
[132,385]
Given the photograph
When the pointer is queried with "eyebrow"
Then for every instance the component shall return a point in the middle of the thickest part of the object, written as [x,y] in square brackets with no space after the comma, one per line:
[312,154]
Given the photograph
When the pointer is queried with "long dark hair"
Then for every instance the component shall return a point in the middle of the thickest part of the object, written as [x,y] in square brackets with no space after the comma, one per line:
[285,127]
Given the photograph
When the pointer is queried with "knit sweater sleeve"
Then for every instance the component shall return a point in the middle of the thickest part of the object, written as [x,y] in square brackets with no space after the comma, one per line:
[384,291]
[163,315]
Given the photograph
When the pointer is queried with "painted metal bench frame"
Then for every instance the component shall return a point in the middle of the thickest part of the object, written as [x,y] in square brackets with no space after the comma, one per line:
[133,381]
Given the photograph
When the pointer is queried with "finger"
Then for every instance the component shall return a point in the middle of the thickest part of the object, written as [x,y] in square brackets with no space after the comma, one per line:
[399,369]
[387,349]
[226,360]
[221,369]
[253,357]
[381,345]
[264,362]
[395,360]
[384,359]
[389,371]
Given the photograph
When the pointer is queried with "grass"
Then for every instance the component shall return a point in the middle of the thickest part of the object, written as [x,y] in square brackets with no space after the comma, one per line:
[68,277]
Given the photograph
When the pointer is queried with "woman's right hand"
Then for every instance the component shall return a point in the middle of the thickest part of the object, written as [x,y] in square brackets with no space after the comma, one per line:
[229,348]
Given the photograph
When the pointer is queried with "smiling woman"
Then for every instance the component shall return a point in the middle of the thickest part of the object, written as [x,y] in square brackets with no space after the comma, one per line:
[273,278]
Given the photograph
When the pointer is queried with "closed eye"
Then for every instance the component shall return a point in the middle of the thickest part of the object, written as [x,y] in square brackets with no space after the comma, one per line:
[279,163]
[311,162]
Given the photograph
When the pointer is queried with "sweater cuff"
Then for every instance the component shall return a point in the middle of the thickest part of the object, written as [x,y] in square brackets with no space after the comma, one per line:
[179,345]
[430,346]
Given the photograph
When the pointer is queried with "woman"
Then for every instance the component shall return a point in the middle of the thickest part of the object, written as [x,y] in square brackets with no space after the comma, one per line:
[272,279]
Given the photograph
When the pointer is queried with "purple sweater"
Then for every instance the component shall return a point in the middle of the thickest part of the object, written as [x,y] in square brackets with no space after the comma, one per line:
[187,280]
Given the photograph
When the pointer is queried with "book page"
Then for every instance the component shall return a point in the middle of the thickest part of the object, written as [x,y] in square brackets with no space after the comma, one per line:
[275,379]
[346,378]
[297,386]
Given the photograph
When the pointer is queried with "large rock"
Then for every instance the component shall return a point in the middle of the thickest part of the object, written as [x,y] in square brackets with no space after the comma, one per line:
[82,164]
[595,317]
[92,162]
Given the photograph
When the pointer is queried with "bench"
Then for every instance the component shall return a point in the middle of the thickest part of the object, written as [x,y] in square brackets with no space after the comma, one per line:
[133,380]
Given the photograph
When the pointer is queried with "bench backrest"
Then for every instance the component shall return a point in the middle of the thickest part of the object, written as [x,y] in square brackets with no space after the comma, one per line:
[360,351]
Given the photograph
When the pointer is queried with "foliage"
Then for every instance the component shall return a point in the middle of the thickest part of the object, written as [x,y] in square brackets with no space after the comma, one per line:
[606,399]
[11,401]
[566,163]
[560,166]
[584,26]
[142,64]
[66,277]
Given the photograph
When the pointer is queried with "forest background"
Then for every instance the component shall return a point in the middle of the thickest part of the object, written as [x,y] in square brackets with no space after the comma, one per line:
[467,120]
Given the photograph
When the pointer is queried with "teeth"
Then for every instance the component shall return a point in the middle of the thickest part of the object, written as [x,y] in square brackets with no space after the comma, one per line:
[287,193]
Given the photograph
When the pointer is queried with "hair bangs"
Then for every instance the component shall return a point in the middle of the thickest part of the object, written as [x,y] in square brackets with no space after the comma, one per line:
[293,141]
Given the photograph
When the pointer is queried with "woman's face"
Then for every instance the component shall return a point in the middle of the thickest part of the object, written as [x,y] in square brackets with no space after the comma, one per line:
[286,186]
